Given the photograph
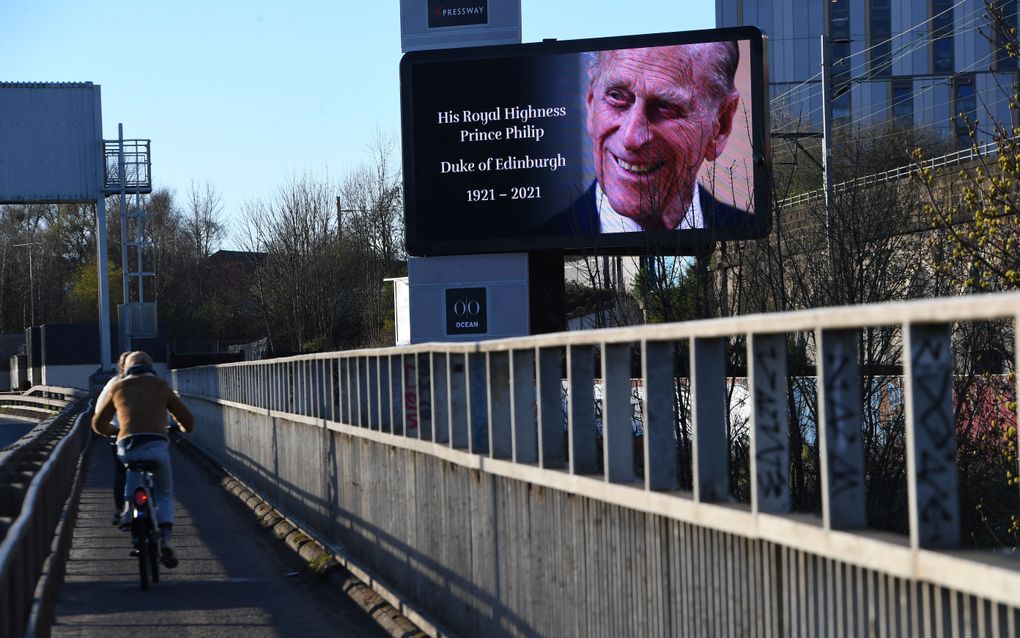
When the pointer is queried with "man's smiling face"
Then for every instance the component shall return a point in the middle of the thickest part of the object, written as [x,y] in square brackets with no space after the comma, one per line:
[653,122]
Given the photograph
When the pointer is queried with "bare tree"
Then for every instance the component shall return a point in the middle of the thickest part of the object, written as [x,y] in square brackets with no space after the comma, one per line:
[861,248]
[305,282]
[203,223]
[371,219]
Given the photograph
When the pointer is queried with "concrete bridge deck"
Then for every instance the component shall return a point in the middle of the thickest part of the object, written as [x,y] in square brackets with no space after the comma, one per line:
[234,577]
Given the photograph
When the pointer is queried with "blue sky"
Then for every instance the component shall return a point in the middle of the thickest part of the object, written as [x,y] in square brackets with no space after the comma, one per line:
[245,94]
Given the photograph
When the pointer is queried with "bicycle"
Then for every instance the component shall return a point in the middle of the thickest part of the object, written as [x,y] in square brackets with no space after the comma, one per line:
[144,524]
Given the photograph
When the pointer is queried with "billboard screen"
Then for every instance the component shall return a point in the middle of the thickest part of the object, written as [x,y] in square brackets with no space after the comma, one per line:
[614,145]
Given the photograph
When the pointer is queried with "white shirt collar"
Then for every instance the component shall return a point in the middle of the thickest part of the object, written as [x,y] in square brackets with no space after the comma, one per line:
[612,222]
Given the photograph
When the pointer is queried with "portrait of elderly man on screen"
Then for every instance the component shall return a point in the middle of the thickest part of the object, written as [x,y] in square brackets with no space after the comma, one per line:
[655,116]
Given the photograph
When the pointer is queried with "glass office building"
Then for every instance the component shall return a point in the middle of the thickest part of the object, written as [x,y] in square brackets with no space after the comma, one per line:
[914,63]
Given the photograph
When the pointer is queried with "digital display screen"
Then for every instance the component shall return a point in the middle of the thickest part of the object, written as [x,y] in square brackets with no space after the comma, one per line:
[613,145]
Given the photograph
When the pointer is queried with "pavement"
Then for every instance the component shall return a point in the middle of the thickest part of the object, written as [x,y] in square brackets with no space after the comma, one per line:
[234,579]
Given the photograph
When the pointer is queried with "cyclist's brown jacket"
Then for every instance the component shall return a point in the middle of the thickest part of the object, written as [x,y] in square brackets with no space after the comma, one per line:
[141,403]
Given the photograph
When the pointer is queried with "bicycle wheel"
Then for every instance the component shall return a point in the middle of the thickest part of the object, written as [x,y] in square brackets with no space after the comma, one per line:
[153,552]
[144,553]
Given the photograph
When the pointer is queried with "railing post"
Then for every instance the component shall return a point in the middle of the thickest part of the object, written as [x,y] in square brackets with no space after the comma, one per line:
[581,435]
[316,387]
[265,380]
[711,463]
[362,392]
[770,429]
[385,391]
[659,440]
[478,404]
[424,396]
[500,434]
[458,401]
[581,413]
[932,489]
[440,398]
[551,443]
[617,414]
[346,396]
[329,376]
[522,406]
[281,387]
[409,397]
[374,407]
[841,450]
[301,375]
[304,388]
[294,379]
[396,397]
[272,377]
[314,381]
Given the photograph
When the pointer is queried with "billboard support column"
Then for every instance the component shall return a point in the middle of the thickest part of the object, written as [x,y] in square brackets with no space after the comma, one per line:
[469,297]
[546,292]
[702,260]
[103,285]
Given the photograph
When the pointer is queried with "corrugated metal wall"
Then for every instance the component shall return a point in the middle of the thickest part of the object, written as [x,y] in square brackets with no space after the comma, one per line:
[50,143]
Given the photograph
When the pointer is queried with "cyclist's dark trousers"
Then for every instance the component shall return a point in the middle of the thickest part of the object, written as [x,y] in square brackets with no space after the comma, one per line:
[150,447]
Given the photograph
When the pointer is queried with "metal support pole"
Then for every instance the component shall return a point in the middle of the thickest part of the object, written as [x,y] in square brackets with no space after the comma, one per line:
[122,175]
[31,282]
[827,138]
[104,286]
[31,286]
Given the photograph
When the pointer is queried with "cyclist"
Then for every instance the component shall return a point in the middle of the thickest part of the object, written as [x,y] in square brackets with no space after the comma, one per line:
[141,400]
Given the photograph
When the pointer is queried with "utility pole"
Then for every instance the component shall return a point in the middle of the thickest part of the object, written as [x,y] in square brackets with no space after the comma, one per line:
[827,172]
[31,281]
[827,137]
[339,217]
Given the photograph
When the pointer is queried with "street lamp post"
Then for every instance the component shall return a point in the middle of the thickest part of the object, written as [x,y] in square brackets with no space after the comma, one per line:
[31,280]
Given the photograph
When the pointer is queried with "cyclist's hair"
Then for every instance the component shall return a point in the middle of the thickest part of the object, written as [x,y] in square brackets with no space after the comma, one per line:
[121,361]
[137,358]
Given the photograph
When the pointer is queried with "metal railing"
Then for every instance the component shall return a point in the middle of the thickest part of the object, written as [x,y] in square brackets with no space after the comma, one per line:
[447,471]
[36,481]
[137,166]
[38,402]
[900,172]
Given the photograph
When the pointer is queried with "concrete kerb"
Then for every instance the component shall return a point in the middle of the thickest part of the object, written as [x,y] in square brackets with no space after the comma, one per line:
[339,573]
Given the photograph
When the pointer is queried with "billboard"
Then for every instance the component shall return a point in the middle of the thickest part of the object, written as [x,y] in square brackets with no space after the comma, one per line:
[51,137]
[612,145]
[440,24]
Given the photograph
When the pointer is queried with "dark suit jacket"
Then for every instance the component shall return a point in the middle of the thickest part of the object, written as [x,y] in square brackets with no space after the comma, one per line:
[582,217]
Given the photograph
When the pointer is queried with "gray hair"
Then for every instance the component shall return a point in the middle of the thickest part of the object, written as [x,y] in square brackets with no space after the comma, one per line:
[722,59]
[137,358]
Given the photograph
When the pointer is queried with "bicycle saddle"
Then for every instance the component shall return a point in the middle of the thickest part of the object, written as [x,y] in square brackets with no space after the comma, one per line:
[141,466]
